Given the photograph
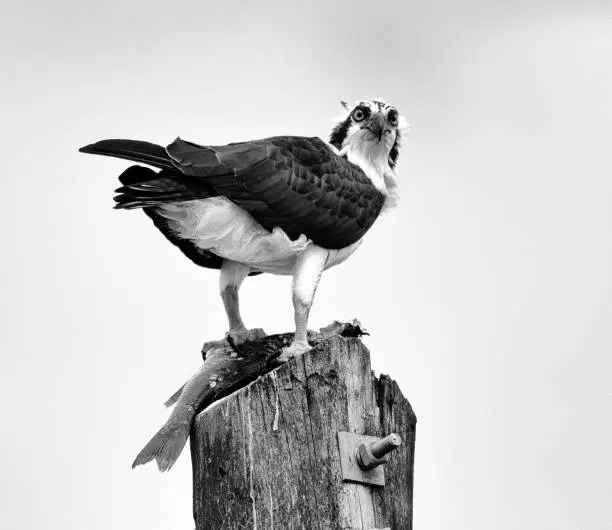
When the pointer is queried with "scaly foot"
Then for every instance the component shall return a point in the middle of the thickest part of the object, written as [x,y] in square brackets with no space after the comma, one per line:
[296,348]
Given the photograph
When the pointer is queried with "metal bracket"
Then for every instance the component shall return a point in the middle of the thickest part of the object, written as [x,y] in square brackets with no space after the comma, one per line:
[361,457]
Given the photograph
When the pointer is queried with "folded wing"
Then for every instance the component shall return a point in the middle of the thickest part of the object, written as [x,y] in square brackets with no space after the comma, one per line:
[298,184]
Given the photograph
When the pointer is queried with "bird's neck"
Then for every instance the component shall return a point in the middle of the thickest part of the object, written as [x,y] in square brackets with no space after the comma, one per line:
[373,159]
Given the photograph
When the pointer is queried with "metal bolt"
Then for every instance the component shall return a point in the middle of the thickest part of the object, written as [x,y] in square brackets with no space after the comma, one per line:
[370,456]
[386,445]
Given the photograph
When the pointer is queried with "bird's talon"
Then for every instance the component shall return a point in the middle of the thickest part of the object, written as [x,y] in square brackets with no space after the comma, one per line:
[295,349]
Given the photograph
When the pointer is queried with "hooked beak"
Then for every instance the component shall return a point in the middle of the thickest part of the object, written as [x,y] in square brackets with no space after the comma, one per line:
[376,126]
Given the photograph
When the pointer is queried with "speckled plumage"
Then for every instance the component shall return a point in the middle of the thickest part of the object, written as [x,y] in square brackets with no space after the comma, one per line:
[298,184]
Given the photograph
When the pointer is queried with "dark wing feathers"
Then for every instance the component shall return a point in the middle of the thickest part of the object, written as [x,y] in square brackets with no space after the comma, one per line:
[135,150]
[298,184]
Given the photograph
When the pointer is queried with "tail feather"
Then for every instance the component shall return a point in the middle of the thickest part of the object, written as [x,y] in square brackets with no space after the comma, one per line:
[138,175]
[165,447]
[135,150]
[144,187]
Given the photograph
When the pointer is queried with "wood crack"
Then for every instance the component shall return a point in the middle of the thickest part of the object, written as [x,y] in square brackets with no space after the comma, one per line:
[314,450]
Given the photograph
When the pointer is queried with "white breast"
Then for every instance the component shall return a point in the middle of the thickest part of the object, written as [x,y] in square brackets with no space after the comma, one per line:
[373,159]
[219,225]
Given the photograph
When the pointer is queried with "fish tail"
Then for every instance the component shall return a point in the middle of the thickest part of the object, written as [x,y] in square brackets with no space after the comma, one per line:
[165,447]
[175,397]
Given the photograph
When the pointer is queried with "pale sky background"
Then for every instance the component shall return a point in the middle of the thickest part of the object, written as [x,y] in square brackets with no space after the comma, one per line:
[488,292]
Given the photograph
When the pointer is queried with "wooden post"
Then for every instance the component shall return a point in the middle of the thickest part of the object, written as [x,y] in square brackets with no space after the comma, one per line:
[268,455]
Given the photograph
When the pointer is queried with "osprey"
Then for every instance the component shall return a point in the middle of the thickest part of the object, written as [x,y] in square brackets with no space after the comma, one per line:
[283,205]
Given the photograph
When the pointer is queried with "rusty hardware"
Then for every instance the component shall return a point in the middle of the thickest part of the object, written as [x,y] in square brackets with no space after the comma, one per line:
[361,456]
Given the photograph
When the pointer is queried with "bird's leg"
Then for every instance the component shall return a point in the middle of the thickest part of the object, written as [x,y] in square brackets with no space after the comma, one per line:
[232,276]
[306,274]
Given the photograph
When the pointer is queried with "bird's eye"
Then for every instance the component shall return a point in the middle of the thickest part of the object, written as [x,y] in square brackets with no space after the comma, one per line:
[358,114]
[392,117]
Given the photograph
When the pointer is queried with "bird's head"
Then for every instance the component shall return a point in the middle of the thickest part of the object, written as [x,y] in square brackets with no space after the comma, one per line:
[370,129]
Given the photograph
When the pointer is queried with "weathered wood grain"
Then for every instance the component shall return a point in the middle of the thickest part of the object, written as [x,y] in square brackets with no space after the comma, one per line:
[267,455]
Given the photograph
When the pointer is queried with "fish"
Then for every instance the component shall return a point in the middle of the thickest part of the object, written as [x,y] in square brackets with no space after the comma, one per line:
[226,369]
